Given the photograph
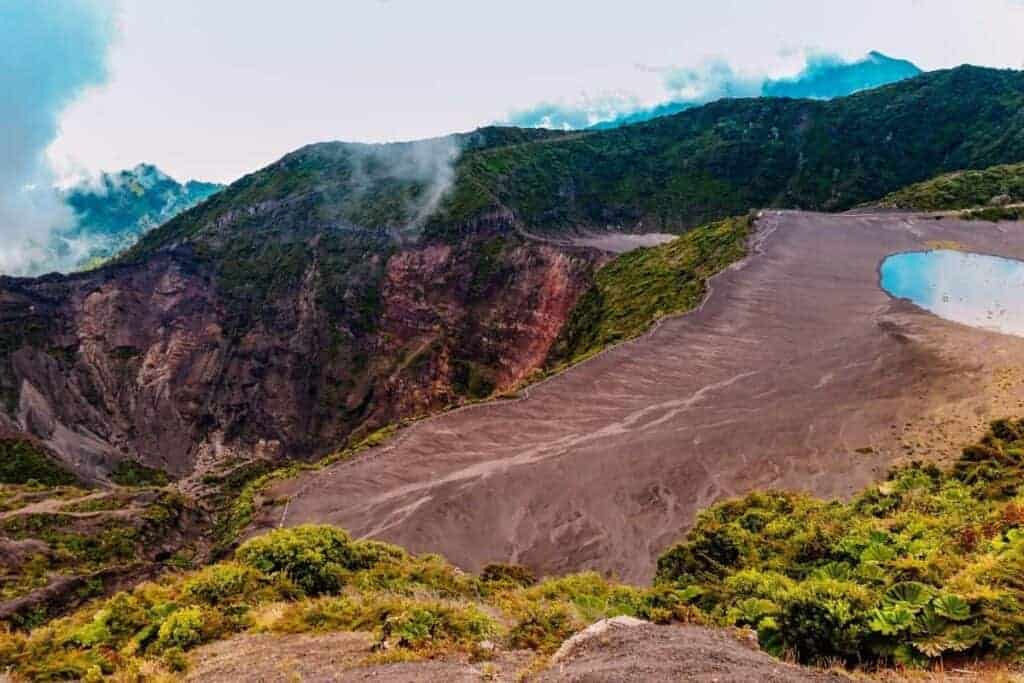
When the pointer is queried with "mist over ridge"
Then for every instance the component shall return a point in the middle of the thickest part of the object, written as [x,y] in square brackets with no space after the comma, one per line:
[823,76]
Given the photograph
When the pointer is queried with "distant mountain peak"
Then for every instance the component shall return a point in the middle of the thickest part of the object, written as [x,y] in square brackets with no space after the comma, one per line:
[115,209]
[828,78]
[824,76]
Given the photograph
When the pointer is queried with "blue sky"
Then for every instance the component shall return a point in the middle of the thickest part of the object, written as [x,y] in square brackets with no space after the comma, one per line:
[213,89]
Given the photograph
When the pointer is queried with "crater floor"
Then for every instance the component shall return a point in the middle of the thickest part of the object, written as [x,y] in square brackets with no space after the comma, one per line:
[799,372]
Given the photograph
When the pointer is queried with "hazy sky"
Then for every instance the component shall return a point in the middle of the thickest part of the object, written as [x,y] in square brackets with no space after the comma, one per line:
[212,89]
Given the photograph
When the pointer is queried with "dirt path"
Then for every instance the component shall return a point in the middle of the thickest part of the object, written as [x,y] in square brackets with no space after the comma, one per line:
[56,506]
[794,363]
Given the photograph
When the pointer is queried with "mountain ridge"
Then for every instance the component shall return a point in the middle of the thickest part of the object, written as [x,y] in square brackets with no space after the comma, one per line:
[822,78]
[383,263]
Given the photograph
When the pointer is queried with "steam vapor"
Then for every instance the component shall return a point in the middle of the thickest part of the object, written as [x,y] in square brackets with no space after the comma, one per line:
[429,163]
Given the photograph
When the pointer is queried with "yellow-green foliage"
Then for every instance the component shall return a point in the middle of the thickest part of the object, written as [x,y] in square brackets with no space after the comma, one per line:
[641,286]
[411,622]
[316,558]
[927,564]
[515,574]
[962,190]
[316,578]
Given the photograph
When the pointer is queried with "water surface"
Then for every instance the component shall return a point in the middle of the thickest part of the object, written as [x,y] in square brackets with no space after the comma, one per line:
[973,289]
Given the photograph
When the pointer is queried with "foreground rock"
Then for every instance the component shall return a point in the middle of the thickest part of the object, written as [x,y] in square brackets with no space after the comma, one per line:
[616,651]
[611,650]
[799,372]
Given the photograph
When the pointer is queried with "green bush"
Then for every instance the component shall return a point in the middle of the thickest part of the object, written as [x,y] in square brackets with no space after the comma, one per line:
[225,583]
[22,462]
[544,627]
[825,618]
[318,559]
[407,622]
[508,573]
[183,628]
[132,473]
[924,565]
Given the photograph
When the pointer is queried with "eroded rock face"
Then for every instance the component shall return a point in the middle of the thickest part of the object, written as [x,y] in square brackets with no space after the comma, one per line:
[458,325]
[151,361]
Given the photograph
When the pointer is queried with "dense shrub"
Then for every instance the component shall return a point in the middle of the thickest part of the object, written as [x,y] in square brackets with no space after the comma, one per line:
[182,628]
[316,578]
[132,473]
[544,627]
[316,558]
[414,623]
[515,574]
[229,582]
[22,462]
[926,564]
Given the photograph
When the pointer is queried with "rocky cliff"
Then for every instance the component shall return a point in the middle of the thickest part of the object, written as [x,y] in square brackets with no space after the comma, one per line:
[147,360]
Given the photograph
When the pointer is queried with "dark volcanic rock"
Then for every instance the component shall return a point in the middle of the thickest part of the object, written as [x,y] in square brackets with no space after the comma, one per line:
[154,361]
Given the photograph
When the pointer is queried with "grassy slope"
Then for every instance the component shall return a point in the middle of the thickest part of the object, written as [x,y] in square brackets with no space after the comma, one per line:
[925,565]
[961,190]
[636,289]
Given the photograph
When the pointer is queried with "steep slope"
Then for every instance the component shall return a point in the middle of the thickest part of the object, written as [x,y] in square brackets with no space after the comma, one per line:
[272,319]
[726,157]
[348,286]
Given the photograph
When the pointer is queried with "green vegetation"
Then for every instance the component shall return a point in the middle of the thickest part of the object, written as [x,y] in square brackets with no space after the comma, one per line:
[722,159]
[22,462]
[513,573]
[315,579]
[668,174]
[112,212]
[101,503]
[79,539]
[963,190]
[996,213]
[17,496]
[639,287]
[133,473]
[926,565]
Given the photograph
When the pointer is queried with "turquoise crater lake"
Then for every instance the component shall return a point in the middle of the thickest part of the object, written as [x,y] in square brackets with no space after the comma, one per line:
[973,289]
